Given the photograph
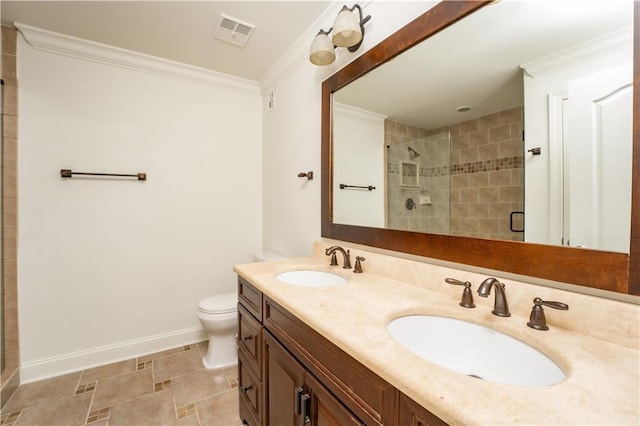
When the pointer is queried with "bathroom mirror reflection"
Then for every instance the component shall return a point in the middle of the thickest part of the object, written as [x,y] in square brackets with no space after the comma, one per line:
[453,125]
[599,269]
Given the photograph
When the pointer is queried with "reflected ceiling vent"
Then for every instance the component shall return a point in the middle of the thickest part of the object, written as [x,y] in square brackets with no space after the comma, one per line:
[233,30]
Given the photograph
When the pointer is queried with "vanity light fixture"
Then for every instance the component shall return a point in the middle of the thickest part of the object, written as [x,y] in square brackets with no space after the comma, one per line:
[322,50]
[347,31]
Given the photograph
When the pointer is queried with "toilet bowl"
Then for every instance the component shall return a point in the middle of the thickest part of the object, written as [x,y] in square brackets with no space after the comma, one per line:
[219,317]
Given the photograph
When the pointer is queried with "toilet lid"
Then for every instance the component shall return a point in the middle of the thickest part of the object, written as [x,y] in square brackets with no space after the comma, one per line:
[220,304]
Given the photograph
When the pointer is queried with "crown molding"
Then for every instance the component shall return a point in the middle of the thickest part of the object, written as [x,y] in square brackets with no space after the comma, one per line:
[62,44]
[298,53]
[617,41]
[357,112]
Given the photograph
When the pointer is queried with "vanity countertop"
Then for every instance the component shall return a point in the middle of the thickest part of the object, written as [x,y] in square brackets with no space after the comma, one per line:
[602,384]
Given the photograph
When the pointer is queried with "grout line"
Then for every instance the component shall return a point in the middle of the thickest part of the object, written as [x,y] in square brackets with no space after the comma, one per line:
[197,415]
[175,408]
[79,381]
[11,418]
[93,396]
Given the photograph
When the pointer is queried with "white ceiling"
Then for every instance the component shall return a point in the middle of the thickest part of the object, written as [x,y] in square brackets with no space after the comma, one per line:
[483,53]
[181,31]
[477,62]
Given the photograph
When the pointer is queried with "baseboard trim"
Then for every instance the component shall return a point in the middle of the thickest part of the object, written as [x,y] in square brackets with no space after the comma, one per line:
[81,360]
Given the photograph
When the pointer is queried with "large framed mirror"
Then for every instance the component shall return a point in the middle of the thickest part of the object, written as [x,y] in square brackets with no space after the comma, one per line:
[419,167]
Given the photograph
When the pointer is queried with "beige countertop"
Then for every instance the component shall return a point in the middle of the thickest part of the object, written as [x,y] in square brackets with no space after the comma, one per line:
[598,354]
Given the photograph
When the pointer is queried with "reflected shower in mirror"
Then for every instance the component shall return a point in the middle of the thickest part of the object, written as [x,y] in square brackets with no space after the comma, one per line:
[478,111]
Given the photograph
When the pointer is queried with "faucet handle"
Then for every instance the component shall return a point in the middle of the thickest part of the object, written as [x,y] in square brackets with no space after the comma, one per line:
[334,259]
[358,268]
[467,296]
[554,305]
[537,319]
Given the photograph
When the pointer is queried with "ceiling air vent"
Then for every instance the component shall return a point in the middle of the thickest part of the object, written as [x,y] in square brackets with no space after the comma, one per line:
[233,30]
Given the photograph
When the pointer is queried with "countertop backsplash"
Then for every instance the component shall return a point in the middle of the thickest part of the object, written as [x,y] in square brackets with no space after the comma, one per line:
[611,320]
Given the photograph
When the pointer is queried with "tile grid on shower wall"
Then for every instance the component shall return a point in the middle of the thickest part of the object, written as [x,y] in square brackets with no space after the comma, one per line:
[482,164]
[487,179]
[10,345]
[473,167]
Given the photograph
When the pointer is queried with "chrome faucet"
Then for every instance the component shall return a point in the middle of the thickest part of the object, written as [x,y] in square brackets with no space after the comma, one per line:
[500,306]
[345,256]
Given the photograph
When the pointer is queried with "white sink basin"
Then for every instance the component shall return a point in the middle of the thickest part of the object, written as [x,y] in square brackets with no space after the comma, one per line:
[311,278]
[475,350]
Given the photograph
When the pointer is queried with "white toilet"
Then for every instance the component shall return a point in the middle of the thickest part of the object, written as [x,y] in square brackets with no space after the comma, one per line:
[219,317]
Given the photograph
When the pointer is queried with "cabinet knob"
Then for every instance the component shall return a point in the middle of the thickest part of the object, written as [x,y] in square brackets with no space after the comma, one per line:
[245,338]
[245,389]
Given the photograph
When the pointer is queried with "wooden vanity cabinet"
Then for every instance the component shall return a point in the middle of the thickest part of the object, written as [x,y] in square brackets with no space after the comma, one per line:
[372,400]
[294,397]
[290,375]
[250,297]
[250,348]
[413,414]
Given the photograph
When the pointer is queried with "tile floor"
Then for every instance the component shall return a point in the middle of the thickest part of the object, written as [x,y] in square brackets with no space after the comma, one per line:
[166,388]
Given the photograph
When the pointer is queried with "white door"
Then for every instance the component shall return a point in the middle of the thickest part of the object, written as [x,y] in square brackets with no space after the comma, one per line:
[599,144]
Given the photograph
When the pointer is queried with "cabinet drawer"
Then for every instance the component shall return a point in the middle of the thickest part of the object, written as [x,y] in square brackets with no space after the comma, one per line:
[250,297]
[367,395]
[245,414]
[250,391]
[250,339]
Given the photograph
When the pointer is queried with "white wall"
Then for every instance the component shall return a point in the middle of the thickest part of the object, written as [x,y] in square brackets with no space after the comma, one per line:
[113,268]
[291,134]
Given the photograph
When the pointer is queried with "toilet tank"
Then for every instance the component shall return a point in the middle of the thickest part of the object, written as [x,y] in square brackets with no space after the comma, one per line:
[266,256]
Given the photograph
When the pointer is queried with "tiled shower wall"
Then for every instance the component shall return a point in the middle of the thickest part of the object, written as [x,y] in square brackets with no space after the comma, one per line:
[487,176]
[10,347]
[471,177]
[430,212]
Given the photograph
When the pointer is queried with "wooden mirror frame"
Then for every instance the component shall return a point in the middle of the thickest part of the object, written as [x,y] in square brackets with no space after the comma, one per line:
[618,272]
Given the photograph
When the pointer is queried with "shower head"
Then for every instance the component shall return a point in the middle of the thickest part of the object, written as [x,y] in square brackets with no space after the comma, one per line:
[413,152]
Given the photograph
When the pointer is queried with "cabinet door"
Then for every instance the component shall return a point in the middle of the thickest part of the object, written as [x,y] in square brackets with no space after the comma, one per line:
[368,396]
[413,414]
[283,379]
[324,409]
